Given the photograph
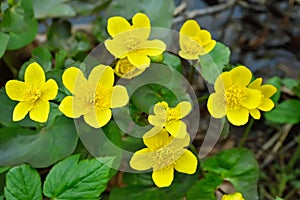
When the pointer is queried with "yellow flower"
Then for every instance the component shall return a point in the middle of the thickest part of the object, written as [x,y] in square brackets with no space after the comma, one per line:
[94,97]
[193,41]
[163,154]
[232,97]
[234,196]
[170,118]
[266,103]
[125,69]
[131,41]
[33,94]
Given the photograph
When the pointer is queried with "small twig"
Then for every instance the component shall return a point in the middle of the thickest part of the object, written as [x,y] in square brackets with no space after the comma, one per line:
[270,157]
[180,8]
[268,144]
[204,11]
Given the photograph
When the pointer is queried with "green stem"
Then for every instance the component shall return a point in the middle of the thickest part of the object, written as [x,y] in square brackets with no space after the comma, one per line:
[203,98]
[294,158]
[246,132]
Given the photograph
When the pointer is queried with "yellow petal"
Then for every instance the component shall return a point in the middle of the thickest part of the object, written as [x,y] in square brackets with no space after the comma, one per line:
[177,129]
[34,75]
[156,120]
[255,113]
[215,105]
[241,75]
[152,132]
[268,90]
[187,163]
[210,46]
[190,28]
[234,196]
[73,107]
[187,55]
[160,108]
[40,111]
[119,96]
[101,76]
[117,46]
[141,21]
[141,160]
[256,83]
[266,105]
[156,138]
[153,47]
[238,117]
[222,82]
[163,177]
[252,100]
[15,90]
[73,79]
[204,36]
[98,118]
[116,25]
[21,110]
[138,60]
[180,143]
[183,108]
[49,90]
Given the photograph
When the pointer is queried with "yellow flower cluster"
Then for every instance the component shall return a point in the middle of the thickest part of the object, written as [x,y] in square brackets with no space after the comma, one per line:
[234,196]
[236,97]
[166,144]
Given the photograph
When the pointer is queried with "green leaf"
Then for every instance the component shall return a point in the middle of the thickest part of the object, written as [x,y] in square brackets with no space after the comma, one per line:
[205,188]
[70,179]
[18,21]
[59,35]
[4,169]
[23,182]
[286,112]
[141,186]
[43,56]
[87,7]
[172,61]
[238,166]
[159,12]
[60,58]
[53,9]
[38,148]
[212,64]
[4,38]
[275,81]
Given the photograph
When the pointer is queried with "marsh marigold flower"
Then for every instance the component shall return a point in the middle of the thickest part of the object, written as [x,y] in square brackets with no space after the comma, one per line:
[125,69]
[170,118]
[267,91]
[131,41]
[232,97]
[93,97]
[163,154]
[194,41]
[234,196]
[33,94]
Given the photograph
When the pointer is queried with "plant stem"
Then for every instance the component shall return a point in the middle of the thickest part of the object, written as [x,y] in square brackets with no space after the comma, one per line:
[192,74]
[246,132]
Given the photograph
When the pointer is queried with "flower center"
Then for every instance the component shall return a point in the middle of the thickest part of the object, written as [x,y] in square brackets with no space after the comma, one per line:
[172,115]
[132,43]
[164,157]
[234,95]
[102,98]
[33,94]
